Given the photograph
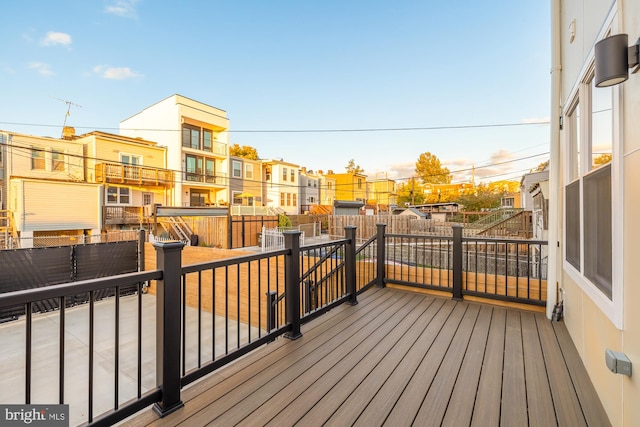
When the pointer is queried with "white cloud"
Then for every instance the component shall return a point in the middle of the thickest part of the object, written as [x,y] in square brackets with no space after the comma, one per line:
[115,73]
[42,68]
[53,38]
[124,8]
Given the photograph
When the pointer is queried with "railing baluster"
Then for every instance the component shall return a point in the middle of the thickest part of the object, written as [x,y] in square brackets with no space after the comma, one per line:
[139,331]
[27,376]
[213,314]
[183,323]
[226,309]
[116,368]
[199,319]
[238,303]
[91,338]
[61,355]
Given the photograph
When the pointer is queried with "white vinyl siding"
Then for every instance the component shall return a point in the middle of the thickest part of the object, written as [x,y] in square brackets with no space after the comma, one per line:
[42,205]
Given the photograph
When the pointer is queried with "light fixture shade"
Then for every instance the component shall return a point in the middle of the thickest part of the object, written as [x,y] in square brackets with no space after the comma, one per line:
[612,67]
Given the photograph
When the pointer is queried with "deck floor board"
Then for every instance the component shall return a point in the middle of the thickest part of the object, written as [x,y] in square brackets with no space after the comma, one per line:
[400,358]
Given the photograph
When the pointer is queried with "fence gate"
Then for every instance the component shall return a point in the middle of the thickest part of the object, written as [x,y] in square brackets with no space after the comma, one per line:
[244,229]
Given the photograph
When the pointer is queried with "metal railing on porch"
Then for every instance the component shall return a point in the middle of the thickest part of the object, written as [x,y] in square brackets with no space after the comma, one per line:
[229,307]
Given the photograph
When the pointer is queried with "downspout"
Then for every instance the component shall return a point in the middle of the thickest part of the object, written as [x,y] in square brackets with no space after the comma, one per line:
[555,204]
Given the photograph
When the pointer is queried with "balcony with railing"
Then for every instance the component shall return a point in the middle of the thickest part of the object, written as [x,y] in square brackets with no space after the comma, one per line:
[118,173]
[350,341]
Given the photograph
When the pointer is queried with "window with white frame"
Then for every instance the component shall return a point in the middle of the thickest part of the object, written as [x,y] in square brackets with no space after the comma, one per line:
[37,159]
[588,186]
[236,169]
[147,198]
[284,174]
[236,197]
[248,171]
[57,160]
[293,175]
[118,195]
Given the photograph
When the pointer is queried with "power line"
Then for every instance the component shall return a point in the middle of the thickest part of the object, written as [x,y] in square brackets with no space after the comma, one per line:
[399,129]
[281,185]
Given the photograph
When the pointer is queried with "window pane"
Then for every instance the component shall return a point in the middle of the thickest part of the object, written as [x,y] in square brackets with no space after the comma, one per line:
[37,158]
[206,140]
[574,143]
[237,200]
[237,169]
[572,232]
[597,229]
[57,161]
[186,137]
[112,195]
[248,171]
[195,138]
[284,174]
[124,195]
[601,125]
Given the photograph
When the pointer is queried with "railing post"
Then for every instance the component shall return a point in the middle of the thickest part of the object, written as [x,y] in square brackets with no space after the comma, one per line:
[168,259]
[292,282]
[381,256]
[457,262]
[271,310]
[350,263]
[142,238]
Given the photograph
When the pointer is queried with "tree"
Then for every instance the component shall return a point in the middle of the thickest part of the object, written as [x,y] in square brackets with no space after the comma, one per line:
[411,192]
[483,198]
[353,168]
[429,169]
[246,152]
[602,159]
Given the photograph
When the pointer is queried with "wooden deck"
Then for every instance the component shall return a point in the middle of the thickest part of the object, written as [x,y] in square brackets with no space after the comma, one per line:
[399,358]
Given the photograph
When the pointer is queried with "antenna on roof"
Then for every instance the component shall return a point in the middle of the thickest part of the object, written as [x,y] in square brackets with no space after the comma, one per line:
[69,104]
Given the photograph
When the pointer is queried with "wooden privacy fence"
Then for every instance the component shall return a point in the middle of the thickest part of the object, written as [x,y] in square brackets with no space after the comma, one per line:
[366,225]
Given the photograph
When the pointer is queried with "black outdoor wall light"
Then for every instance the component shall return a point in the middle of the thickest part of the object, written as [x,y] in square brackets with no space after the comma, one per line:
[614,57]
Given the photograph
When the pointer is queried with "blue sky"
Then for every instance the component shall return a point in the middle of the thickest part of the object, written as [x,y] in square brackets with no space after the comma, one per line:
[296,65]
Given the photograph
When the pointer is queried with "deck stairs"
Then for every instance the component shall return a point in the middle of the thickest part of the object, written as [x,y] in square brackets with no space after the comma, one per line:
[176,227]
[516,224]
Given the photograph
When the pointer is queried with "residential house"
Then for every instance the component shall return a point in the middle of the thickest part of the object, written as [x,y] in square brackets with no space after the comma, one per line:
[310,189]
[197,142]
[327,186]
[594,175]
[382,192]
[350,186]
[44,188]
[526,183]
[281,186]
[539,193]
[245,182]
[133,174]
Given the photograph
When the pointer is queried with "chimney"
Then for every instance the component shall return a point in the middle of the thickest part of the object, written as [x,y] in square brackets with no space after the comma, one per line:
[68,133]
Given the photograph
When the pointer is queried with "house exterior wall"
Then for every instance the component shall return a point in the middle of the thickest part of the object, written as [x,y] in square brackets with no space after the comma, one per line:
[529,179]
[51,206]
[597,322]
[163,122]
[19,158]
[280,192]
[309,189]
[382,191]
[102,148]
[350,186]
[245,182]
